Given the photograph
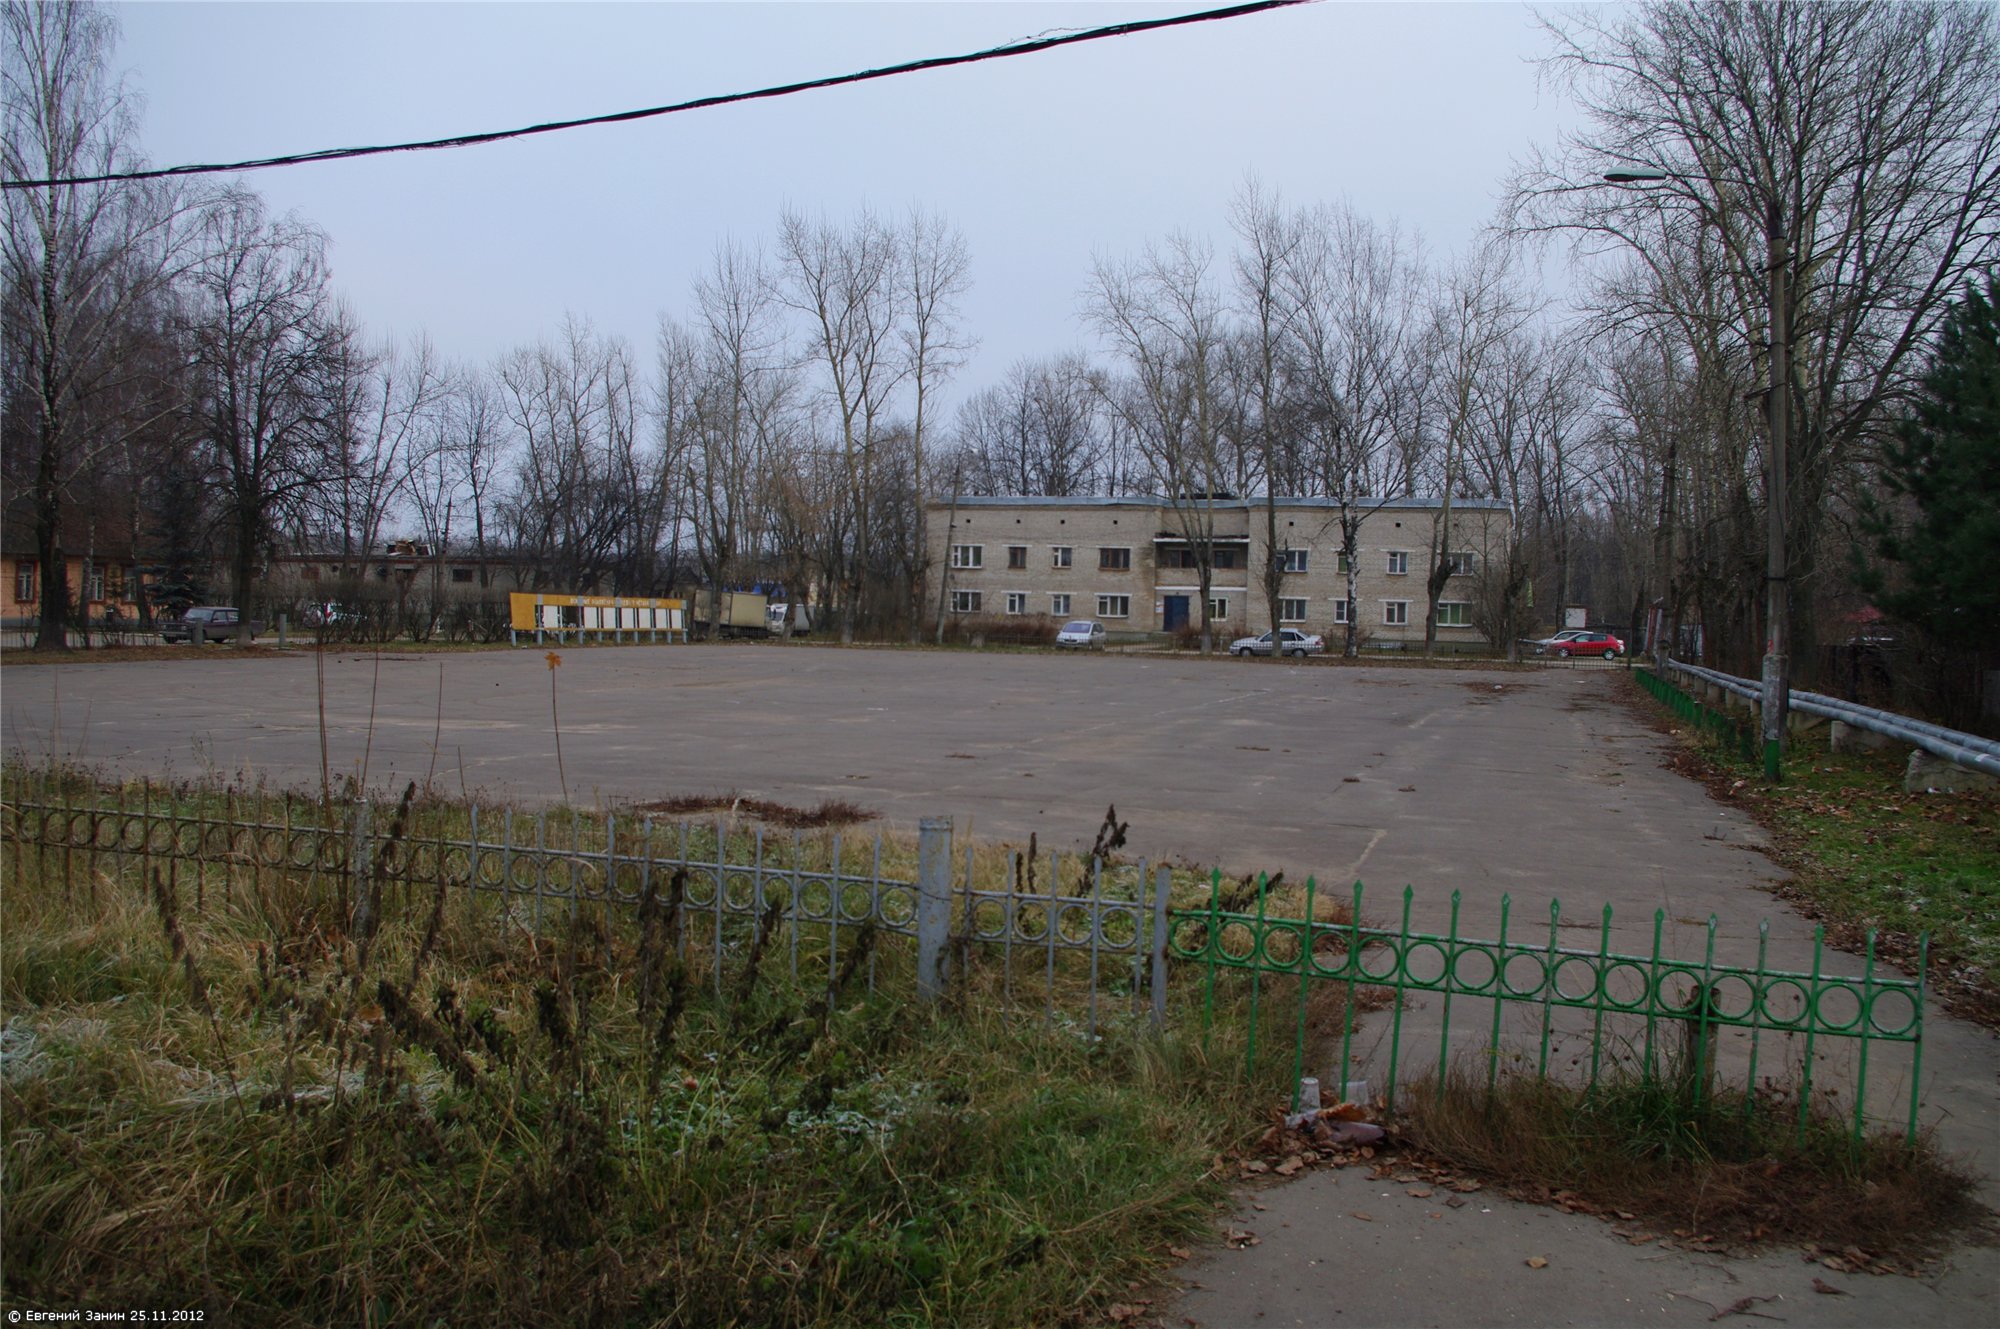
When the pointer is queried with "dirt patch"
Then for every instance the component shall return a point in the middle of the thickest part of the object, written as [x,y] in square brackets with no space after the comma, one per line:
[1482,690]
[829,812]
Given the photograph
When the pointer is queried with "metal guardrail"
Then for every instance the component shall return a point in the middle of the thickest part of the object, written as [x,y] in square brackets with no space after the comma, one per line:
[1968,751]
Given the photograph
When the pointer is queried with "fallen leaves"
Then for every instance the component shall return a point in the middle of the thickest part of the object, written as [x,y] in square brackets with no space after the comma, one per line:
[1537,1262]
[1741,1306]
[1821,1285]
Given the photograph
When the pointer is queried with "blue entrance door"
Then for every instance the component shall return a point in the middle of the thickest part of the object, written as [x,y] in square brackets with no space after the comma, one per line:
[1176,612]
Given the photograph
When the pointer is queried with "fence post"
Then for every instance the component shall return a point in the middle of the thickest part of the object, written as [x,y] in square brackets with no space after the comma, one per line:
[933,904]
[359,846]
[1161,880]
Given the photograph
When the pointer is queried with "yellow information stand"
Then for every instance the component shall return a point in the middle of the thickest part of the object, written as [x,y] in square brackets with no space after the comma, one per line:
[582,617]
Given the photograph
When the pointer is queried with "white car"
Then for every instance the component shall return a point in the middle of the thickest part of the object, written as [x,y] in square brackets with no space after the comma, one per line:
[1296,644]
[1083,634]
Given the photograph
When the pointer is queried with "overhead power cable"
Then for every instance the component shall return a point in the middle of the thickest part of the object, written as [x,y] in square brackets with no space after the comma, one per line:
[1027,47]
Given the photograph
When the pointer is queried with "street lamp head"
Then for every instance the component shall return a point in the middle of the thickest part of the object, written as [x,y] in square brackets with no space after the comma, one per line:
[1634,177]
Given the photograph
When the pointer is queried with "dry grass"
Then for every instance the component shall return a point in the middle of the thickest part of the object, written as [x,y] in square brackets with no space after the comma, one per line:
[228,1087]
[1725,1172]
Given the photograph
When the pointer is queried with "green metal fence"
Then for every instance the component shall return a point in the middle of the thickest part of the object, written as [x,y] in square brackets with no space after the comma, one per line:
[1663,1012]
[1737,730]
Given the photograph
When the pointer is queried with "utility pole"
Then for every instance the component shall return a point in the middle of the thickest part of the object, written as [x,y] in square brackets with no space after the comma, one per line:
[1777,687]
[1777,571]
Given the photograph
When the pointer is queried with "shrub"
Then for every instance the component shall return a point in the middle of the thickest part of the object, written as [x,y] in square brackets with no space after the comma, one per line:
[1002,629]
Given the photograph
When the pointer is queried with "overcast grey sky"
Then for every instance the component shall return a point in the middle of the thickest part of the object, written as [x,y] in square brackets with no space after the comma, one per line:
[1412,111]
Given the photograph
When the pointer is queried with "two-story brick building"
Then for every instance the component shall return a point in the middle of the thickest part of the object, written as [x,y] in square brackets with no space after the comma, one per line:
[1130,563]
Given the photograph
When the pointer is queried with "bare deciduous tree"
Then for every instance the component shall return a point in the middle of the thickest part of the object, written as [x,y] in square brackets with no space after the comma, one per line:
[1271,244]
[1531,408]
[1350,387]
[1860,140]
[1476,310]
[573,407]
[1039,431]
[934,263]
[1163,316]
[381,406]
[723,388]
[84,267]
[261,342]
[845,283]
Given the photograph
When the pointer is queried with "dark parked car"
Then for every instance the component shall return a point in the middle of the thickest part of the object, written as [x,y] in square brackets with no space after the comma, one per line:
[206,623]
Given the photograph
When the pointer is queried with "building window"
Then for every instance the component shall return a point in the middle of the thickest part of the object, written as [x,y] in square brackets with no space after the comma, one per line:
[1114,606]
[1291,611]
[1399,562]
[1343,611]
[1462,564]
[461,575]
[1060,556]
[1017,602]
[24,582]
[1218,608]
[93,585]
[968,556]
[1114,560]
[1225,558]
[1454,614]
[965,602]
[114,582]
[1059,606]
[1396,613]
[1017,556]
[1295,561]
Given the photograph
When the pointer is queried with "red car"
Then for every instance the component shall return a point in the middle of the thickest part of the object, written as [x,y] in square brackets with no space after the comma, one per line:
[1590,642]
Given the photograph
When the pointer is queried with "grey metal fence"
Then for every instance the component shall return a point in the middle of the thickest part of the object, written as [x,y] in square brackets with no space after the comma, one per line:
[724,882]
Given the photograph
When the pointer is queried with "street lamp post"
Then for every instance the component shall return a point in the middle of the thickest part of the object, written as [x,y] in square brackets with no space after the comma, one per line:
[1777,583]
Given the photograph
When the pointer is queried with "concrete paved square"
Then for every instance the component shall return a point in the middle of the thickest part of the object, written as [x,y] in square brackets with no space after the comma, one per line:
[1488,781]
